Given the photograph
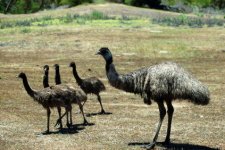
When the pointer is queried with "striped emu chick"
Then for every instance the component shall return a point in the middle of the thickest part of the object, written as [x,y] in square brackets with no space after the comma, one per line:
[90,85]
[48,98]
[79,97]
[162,83]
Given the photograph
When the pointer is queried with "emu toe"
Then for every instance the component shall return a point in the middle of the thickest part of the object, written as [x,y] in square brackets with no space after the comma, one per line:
[69,125]
[45,132]
[167,141]
[102,112]
[150,146]
[85,122]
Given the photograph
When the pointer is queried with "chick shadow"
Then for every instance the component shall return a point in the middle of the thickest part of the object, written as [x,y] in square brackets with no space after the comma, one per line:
[73,129]
[174,146]
[83,125]
[99,113]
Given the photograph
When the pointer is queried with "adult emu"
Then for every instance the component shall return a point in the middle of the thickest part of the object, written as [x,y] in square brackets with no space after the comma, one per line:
[90,85]
[48,98]
[162,83]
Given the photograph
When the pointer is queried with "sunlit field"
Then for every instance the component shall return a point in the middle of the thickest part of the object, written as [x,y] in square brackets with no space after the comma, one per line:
[28,42]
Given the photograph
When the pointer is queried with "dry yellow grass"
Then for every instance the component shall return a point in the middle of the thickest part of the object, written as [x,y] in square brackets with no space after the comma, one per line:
[197,50]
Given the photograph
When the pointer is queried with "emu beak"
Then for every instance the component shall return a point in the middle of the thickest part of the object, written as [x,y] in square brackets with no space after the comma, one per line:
[98,53]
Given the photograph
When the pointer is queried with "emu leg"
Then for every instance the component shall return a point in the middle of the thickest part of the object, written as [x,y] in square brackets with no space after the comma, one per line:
[59,112]
[99,100]
[81,109]
[162,111]
[82,106]
[67,119]
[71,120]
[170,111]
[68,111]
[84,103]
[48,120]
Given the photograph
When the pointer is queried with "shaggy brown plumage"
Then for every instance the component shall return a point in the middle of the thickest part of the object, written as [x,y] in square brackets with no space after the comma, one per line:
[162,83]
[49,97]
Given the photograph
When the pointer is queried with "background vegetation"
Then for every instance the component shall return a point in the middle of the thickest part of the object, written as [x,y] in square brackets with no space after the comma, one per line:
[30,6]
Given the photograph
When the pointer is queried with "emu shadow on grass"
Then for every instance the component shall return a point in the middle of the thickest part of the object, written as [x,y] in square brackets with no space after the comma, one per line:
[174,146]
[74,129]
[95,114]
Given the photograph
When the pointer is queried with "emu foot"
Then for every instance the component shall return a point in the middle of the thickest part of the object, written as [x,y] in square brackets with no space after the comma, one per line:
[166,142]
[102,112]
[149,146]
[69,125]
[45,132]
[85,122]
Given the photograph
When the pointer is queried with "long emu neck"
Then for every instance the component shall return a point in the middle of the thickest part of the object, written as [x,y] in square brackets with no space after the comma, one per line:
[45,79]
[122,82]
[57,77]
[76,76]
[27,87]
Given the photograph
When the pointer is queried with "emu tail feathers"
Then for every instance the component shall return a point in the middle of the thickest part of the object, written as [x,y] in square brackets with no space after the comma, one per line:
[196,92]
[200,95]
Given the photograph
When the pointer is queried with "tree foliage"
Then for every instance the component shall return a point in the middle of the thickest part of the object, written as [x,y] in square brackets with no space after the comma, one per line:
[30,6]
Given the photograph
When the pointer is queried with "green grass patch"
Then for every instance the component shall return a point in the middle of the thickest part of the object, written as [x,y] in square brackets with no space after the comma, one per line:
[49,20]
[96,18]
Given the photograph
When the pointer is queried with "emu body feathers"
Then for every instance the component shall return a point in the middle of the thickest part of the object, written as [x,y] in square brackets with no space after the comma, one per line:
[160,82]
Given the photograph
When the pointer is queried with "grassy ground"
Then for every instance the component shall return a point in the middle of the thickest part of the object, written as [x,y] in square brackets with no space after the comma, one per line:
[134,44]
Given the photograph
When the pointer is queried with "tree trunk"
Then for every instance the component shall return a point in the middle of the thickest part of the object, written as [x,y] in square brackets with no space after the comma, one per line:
[28,4]
[9,6]
[42,4]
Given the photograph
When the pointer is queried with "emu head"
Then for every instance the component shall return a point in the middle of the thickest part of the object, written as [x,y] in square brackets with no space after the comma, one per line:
[72,64]
[106,54]
[22,75]
[56,67]
[46,68]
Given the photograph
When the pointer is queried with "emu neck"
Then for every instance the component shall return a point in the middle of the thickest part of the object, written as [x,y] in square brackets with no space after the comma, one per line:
[45,80]
[57,77]
[112,74]
[123,82]
[76,76]
[27,87]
